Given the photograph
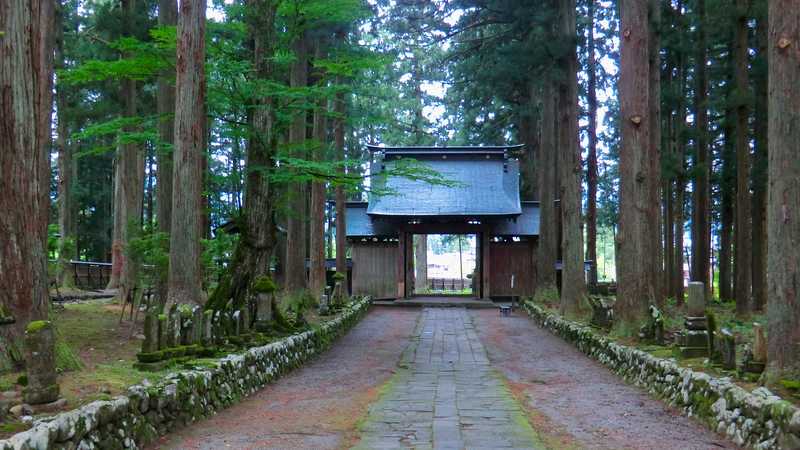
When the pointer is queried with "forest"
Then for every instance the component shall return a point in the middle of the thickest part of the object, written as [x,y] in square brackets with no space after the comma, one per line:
[203,151]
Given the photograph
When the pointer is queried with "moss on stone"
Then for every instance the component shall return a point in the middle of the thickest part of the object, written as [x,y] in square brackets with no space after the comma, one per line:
[264,285]
[37,326]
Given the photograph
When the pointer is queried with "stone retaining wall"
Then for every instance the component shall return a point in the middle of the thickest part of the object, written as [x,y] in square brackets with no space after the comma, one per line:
[756,419]
[147,411]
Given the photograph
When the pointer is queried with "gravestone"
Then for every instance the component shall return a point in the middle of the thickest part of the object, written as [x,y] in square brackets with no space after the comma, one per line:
[602,312]
[693,342]
[338,293]
[727,348]
[40,363]
[150,343]
[217,328]
[324,307]
[263,311]
[697,299]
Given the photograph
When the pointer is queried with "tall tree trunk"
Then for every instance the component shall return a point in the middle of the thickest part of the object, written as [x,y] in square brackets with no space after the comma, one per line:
[298,191]
[573,278]
[680,179]
[67,169]
[727,185]
[591,163]
[637,280]
[759,265]
[316,273]
[654,154]
[547,246]
[783,210]
[742,250]
[185,281]
[527,135]
[167,16]
[26,79]
[701,225]
[130,184]
[341,199]
[421,263]
[257,238]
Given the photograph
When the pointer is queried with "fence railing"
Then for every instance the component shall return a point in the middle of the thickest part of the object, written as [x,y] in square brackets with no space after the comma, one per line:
[449,284]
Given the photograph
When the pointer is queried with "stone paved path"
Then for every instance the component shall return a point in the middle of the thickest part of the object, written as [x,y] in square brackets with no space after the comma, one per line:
[447,395]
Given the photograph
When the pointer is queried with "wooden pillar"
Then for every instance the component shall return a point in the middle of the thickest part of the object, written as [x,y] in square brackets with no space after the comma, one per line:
[401,264]
[485,236]
[409,252]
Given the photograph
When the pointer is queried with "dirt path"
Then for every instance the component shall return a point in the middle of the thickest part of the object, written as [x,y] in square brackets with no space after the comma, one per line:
[317,406]
[577,401]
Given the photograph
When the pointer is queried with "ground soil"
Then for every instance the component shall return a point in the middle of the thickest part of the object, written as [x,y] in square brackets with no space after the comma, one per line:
[318,406]
[580,402]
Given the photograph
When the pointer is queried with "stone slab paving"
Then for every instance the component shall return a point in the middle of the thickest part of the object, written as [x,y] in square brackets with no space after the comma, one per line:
[446,395]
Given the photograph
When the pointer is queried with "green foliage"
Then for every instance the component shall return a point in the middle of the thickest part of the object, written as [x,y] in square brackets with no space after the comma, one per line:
[339,276]
[218,253]
[150,249]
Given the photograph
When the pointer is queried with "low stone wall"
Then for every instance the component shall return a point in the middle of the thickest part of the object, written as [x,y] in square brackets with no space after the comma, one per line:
[756,419]
[147,411]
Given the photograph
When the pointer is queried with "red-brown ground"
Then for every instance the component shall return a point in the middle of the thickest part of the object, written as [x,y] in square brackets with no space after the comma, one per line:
[318,406]
[576,400]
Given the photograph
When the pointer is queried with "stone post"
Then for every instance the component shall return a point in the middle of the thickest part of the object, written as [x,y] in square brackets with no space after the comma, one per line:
[187,327]
[759,344]
[150,343]
[40,360]
[727,346]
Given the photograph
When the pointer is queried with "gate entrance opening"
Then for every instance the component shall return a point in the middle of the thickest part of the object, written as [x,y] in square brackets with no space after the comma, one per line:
[445,265]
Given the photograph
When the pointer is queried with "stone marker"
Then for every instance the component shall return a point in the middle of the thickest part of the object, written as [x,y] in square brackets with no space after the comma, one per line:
[173,327]
[697,299]
[727,347]
[759,343]
[150,343]
[216,328]
[40,361]
[245,318]
[237,322]
[263,310]
[163,332]
[338,293]
[197,325]
[187,328]
[324,306]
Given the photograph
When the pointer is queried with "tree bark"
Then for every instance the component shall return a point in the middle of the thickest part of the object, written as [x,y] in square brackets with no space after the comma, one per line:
[591,163]
[742,249]
[701,227]
[727,185]
[298,191]
[67,169]
[547,248]
[573,278]
[185,280]
[637,280]
[759,231]
[680,179]
[129,189]
[654,154]
[783,210]
[316,273]
[341,199]
[167,16]
[26,79]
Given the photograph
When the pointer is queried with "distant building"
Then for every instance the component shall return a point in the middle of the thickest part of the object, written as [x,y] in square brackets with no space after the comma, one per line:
[483,199]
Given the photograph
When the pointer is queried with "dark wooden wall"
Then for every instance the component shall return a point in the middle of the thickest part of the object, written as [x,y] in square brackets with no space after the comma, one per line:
[375,265]
[506,258]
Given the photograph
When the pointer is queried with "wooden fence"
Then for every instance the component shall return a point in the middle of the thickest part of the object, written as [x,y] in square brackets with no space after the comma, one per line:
[449,284]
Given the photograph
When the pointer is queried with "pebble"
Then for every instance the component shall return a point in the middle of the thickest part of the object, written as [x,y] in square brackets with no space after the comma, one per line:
[21,410]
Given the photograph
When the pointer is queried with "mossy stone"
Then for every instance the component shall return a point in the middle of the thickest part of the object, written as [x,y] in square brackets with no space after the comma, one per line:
[37,326]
